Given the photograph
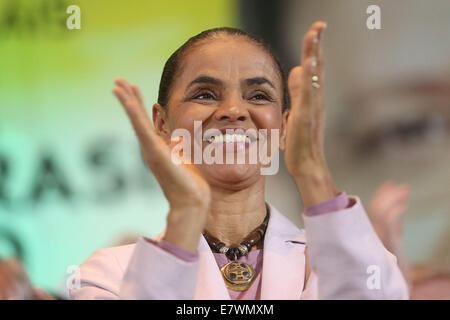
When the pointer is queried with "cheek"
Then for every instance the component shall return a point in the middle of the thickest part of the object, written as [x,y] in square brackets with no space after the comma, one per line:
[184,115]
[270,119]
[266,117]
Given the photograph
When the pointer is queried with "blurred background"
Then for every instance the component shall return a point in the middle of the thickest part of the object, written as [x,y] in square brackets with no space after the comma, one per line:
[71,176]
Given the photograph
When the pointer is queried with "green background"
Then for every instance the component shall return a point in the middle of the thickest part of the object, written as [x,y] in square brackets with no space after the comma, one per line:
[72,179]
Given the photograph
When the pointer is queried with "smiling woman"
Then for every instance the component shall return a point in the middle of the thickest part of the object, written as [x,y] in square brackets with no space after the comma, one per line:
[222,239]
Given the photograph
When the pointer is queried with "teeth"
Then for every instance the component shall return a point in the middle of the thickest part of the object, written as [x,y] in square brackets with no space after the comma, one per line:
[229,138]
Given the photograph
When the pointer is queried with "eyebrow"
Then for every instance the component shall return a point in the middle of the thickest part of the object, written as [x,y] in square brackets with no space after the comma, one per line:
[217,82]
[258,81]
[205,79]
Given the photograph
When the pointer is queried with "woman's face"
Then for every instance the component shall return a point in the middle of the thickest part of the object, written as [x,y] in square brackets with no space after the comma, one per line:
[227,82]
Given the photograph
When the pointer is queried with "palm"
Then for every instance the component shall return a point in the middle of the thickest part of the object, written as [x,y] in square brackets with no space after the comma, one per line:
[305,124]
[182,184]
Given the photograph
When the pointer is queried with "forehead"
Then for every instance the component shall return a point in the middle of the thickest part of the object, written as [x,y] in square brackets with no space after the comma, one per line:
[228,58]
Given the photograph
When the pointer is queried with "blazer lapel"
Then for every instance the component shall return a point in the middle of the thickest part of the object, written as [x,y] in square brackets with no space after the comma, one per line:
[210,284]
[283,269]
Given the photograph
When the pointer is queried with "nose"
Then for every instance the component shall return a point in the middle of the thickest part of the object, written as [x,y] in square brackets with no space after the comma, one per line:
[232,109]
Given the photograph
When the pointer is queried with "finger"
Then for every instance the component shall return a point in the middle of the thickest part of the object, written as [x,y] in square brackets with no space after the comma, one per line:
[398,193]
[155,152]
[125,85]
[396,212]
[382,191]
[138,116]
[310,72]
[397,206]
[300,84]
[319,27]
[311,42]
[142,126]
[295,85]
[122,95]
[137,93]
[390,198]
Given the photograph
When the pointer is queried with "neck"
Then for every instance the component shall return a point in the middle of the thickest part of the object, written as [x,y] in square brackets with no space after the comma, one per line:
[234,214]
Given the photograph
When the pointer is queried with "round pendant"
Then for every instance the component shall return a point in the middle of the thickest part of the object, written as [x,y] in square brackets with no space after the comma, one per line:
[238,275]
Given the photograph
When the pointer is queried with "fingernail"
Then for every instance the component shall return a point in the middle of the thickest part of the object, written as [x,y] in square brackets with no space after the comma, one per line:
[313,63]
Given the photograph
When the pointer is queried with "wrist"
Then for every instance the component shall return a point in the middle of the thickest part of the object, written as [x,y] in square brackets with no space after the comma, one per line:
[184,227]
[190,204]
[315,186]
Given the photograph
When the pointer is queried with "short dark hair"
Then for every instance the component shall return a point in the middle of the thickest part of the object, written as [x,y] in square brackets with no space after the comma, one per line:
[172,65]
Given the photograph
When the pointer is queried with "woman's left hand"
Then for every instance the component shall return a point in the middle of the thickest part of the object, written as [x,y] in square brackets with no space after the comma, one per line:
[304,156]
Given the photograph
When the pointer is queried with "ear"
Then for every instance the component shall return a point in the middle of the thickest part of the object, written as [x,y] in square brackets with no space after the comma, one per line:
[284,118]
[161,122]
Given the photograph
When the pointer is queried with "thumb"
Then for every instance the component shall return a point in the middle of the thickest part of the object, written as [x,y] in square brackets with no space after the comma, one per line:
[295,85]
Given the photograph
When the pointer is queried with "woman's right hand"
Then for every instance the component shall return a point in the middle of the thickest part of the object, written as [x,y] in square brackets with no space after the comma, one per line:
[186,190]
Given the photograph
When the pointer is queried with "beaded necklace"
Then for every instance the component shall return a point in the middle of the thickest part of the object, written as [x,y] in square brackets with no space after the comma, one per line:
[239,275]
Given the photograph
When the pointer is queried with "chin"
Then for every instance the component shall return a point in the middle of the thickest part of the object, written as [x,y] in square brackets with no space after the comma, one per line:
[231,176]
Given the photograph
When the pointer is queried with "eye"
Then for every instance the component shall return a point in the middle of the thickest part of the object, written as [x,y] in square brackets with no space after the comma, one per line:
[259,97]
[204,96]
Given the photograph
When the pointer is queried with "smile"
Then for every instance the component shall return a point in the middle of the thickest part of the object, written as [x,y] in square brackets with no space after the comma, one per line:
[229,138]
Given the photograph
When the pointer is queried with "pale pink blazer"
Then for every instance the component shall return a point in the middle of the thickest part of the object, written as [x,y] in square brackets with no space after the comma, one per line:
[343,252]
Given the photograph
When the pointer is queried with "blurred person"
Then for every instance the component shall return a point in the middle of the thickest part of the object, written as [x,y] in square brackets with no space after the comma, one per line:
[430,281]
[386,208]
[223,240]
[14,282]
